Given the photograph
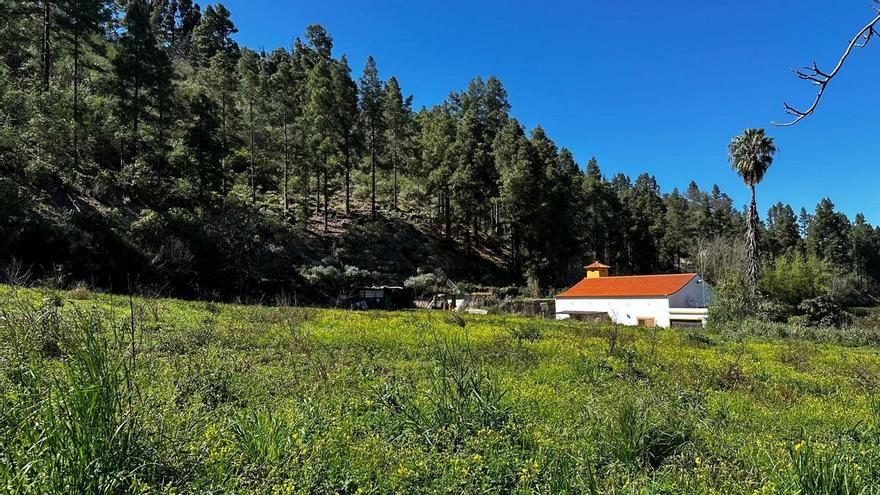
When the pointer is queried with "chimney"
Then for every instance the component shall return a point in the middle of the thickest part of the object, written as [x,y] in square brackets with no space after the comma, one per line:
[597,270]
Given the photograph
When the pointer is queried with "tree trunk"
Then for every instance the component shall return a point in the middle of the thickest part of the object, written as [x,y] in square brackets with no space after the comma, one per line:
[373,180]
[136,124]
[304,185]
[253,174]
[76,118]
[753,268]
[347,186]
[447,213]
[326,203]
[318,191]
[284,200]
[394,192]
[515,249]
[47,57]
[223,142]
[438,213]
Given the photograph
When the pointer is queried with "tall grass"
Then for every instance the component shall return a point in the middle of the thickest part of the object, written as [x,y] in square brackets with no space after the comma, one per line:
[69,425]
[462,397]
[823,473]
[643,434]
[264,440]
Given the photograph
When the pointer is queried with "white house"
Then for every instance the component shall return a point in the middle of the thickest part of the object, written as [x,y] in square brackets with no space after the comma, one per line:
[677,300]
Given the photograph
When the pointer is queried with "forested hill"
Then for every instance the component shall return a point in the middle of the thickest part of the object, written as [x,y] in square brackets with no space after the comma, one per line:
[139,142]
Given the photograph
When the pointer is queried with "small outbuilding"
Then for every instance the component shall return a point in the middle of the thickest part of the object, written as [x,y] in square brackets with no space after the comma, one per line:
[675,300]
[384,297]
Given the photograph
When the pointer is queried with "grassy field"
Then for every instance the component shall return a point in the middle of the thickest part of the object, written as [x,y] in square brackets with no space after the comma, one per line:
[195,397]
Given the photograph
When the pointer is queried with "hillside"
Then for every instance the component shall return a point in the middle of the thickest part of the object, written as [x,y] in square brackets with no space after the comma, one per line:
[200,397]
[232,251]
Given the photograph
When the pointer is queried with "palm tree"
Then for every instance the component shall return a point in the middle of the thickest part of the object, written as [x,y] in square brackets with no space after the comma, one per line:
[751,154]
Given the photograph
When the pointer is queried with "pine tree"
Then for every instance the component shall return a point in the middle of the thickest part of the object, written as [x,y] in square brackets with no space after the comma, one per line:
[203,148]
[518,187]
[140,76]
[601,216]
[804,221]
[174,22]
[436,141]
[213,36]
[828,235]
[782,230]
[284,89]
[324,133]
[678,231]
[215,55]
[865,250]
[252,93]
[346,113]
[82,19]
[397,116]
[371,91]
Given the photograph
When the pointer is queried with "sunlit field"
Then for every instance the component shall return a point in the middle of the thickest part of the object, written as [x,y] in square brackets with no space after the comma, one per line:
[195,397]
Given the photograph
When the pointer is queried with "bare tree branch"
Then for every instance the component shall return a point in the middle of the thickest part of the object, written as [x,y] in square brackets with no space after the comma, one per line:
[821,79]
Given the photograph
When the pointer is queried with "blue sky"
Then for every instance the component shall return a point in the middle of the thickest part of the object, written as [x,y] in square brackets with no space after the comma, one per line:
[643,86]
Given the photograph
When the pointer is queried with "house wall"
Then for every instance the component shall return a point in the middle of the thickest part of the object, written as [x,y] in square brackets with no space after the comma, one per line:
[623,310]
[692,295]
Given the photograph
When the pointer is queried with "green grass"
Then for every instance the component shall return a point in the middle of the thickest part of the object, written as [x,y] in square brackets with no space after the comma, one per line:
[213,398]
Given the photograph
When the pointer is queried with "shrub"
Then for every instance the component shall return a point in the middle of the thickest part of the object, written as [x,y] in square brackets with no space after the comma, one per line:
[772,310]
[80,293]
[823,311]
[332,281]
[327,279]
[425,283]
[732,301]
[700,338]
[795,278]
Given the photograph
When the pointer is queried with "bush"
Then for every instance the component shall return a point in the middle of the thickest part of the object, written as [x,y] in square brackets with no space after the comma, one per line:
[824,311]
[333,281]
[327,279]
[772,310]
[80,293]
[425,283]
[795,278]
[732,301]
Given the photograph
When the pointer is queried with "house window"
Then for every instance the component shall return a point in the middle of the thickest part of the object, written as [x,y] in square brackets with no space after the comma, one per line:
[646,322]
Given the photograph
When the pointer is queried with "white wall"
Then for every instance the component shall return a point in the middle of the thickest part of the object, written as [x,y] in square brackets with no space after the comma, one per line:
[693,295]
[623,310]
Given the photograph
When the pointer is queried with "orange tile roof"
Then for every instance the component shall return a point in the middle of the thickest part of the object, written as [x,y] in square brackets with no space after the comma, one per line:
[630,286]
